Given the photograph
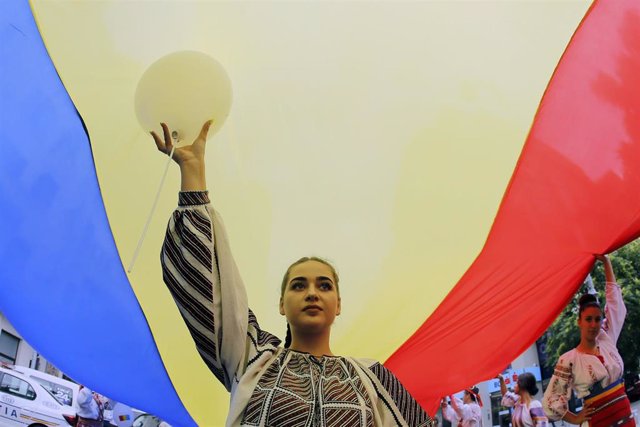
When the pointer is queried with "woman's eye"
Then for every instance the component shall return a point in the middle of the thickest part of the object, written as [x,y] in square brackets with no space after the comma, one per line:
[327,286]
[297,285]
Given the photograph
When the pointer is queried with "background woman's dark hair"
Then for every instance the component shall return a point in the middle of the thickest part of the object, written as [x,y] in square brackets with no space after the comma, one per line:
[475,390]
[527,382]
[586,301]
[285,279]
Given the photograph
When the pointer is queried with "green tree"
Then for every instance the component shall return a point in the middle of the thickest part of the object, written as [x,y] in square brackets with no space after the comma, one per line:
[563,334]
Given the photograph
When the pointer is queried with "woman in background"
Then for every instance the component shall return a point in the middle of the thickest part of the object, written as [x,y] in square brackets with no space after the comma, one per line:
[467,411]
[89,408]
[527,411]
[593,369]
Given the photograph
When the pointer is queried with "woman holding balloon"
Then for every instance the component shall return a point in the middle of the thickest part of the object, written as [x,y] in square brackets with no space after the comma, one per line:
[301,384]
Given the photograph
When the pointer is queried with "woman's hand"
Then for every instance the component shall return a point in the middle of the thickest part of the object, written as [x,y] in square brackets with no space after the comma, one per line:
[190,158]
[503,385]
[608,268]
[602,257]
[187,153]
[585,414]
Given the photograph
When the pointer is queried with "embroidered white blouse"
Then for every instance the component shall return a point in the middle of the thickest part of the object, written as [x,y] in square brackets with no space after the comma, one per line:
[269,385]
[531,415]
[580,371]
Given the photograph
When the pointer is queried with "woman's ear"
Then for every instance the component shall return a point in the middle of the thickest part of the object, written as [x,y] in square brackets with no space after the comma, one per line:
[339,306]
[281,307]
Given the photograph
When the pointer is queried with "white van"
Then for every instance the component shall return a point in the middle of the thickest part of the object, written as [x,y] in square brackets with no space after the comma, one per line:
[24,402]
[66,393]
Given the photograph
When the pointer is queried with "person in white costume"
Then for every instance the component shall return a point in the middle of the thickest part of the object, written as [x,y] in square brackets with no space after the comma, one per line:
[594,369]
[450,416]
[88,408]
[467,411]
[527,411]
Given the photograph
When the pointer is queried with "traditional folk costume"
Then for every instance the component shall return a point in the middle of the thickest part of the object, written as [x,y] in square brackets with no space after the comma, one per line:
[269,385]
[597,379]
[531,415]
[468,414]
[450,415]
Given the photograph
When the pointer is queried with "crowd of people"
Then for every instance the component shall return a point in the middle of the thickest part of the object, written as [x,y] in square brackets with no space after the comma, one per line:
[593,371]
[301,382]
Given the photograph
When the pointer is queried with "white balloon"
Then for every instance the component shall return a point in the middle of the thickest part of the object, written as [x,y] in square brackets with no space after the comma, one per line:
[183,89]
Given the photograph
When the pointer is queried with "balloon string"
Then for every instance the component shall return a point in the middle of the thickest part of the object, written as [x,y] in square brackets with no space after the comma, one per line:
[153,208]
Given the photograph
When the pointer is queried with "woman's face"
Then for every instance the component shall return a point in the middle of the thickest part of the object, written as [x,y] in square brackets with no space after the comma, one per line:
[589,322]
[310,300]
[466,398]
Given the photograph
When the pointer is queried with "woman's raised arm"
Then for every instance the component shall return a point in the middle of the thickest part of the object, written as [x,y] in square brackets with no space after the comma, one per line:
[615,311]
[199,270]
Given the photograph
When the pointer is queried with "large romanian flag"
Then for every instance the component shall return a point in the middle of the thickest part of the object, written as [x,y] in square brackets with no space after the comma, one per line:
[460,163]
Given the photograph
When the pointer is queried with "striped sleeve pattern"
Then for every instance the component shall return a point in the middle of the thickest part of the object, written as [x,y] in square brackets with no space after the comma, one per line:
[193,198]
[186,268]
[406,405]
[188,256]
[263,339]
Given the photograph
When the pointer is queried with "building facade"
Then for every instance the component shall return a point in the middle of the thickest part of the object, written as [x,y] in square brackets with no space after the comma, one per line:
[14,350]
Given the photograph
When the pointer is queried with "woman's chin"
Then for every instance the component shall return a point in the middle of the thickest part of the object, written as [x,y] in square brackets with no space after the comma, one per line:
[312,326]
